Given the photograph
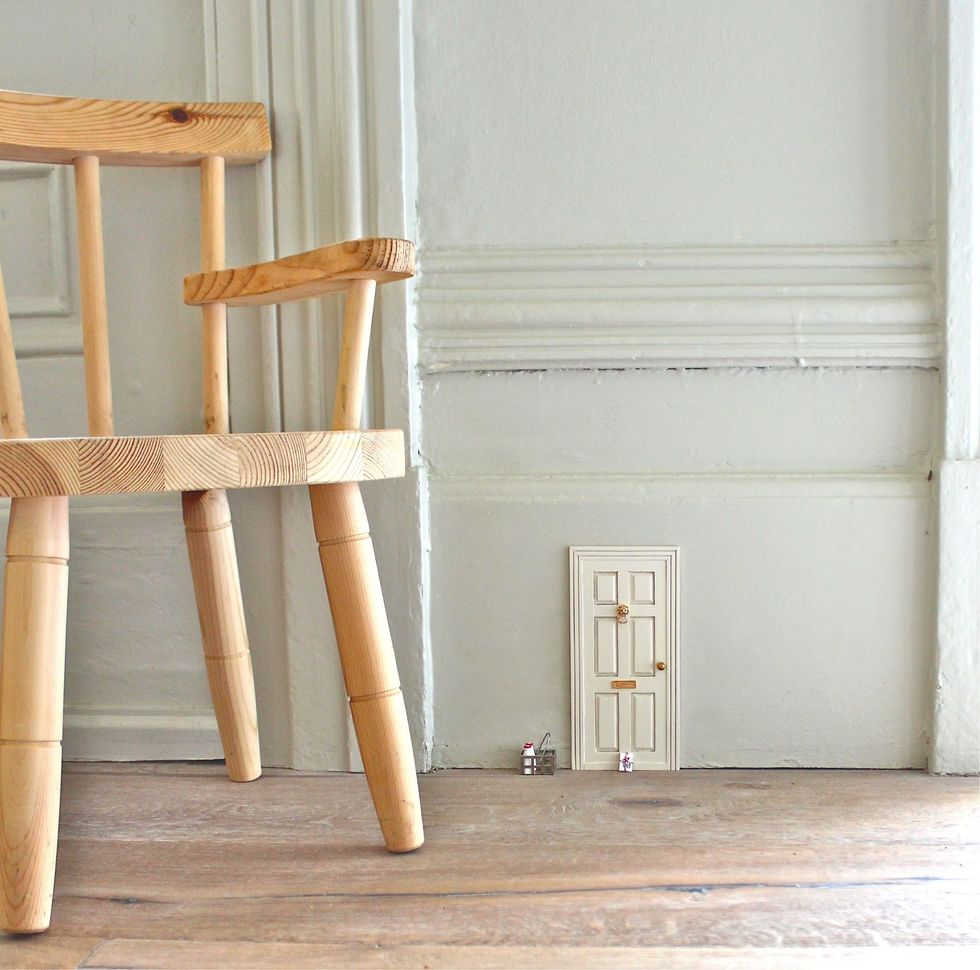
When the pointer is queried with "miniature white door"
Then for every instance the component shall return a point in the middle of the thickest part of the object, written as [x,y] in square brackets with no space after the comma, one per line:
[624,656]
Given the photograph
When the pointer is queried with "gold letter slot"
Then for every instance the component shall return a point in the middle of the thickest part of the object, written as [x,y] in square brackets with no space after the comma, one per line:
[624,684]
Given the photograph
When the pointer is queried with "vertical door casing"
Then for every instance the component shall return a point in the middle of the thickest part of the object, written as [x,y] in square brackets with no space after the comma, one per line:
[623,625]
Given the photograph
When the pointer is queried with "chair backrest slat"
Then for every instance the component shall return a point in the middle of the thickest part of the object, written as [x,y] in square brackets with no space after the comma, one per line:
[215,353]
[91,269]
[44,128]
[13,424]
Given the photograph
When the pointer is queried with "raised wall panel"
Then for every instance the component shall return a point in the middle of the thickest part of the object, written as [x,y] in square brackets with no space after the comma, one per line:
[849,589]
[36,256]
[682,422]
[34,239]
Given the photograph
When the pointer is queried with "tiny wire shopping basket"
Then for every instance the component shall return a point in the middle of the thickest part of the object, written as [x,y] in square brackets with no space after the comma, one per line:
[543,762]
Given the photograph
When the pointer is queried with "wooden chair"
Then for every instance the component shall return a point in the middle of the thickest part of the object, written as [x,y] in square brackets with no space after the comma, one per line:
[39,475]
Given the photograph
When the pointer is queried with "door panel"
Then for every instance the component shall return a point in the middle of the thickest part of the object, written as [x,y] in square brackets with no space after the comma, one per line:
[642,587]
[606,587]
[643,721]
[644,648]
[606,646]
[607,722]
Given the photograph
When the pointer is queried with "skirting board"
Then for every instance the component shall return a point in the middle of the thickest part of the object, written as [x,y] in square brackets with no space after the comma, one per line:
[104,736]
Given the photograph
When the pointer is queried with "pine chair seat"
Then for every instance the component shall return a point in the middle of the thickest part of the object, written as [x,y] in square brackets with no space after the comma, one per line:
[195,462]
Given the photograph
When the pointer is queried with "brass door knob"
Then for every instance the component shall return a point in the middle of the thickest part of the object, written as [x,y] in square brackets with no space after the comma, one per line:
[661,666]
[622,611]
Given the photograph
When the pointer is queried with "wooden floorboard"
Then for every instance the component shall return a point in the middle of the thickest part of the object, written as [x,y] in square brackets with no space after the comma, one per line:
[166,955]
[173,866]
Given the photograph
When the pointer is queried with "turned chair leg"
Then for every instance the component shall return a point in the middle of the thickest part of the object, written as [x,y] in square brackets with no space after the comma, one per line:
[211,548]
[32,677]
[350,573]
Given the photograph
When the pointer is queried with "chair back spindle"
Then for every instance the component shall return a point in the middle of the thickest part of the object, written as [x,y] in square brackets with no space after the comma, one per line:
[91,268]
[13,423]
[355,343]
[215,353]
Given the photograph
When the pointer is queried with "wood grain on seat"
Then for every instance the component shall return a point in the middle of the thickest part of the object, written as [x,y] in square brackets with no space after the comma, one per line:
[172,463]
[304,275]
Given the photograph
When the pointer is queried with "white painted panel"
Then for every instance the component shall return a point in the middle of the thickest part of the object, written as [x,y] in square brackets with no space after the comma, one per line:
[681,421]
[835,572]
[674,123]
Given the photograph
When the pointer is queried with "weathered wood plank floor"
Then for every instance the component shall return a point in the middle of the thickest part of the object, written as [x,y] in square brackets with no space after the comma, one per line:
[173,866]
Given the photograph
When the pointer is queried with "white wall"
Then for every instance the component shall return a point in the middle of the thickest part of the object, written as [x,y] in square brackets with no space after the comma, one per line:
[606,197]
[678,286]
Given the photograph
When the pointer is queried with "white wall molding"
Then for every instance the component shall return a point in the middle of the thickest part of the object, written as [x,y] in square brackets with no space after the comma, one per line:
[643,488]
[955,742]
[515,309]
[400,513]
[337,79]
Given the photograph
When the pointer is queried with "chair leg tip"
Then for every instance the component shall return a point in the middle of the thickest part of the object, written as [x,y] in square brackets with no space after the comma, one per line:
[24,929]
[404,846]
[244,776]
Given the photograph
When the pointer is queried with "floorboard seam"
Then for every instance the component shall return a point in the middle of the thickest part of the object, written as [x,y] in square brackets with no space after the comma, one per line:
[84,963]
[693,888]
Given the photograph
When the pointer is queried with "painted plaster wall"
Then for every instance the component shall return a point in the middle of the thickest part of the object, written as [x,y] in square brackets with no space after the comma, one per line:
[670,135]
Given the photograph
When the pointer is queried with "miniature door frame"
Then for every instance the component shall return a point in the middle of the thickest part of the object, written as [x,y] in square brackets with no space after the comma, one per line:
[579,557]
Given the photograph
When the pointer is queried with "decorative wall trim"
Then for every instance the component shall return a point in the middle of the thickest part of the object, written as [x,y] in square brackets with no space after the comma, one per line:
[955,738]
[46,326]
[517,309]
[110,736]
[644,488]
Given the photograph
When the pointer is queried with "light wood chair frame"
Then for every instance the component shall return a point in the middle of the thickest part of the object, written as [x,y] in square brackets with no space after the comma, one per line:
[40,474]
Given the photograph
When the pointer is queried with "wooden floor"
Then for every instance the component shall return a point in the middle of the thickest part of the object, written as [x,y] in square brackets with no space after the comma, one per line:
[173,866]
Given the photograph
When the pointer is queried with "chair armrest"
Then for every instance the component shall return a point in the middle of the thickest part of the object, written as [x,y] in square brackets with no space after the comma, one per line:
[305,275]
